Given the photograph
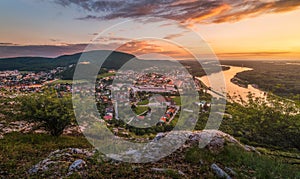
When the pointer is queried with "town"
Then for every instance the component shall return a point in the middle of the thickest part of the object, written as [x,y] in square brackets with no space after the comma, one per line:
[145,93]
[24,81]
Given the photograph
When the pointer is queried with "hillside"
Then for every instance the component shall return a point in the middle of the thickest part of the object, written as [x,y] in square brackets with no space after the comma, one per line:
[72,156]
[115,60]
[41,63]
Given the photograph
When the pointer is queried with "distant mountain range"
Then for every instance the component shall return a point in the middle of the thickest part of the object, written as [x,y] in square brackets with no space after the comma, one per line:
[114,60]
[111,60]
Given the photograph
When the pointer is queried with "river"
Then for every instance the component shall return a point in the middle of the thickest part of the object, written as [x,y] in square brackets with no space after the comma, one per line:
[232,89]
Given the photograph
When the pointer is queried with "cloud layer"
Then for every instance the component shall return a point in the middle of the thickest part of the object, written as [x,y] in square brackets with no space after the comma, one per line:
[185,11]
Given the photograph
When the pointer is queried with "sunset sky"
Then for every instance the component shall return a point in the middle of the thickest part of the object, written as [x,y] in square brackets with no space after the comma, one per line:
[234,29]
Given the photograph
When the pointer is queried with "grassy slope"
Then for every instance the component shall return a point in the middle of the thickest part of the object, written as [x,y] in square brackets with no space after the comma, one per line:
[20,152]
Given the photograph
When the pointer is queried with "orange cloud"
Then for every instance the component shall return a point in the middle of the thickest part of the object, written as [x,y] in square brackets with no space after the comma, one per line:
[239,15]
[213,12]
[154,47]
[185,11]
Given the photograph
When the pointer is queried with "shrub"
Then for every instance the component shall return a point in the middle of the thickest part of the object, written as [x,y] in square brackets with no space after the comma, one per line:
[53,110]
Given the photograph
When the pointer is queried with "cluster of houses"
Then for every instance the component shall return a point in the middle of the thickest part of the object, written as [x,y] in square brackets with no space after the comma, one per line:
[150,84]
[111,95]
[27,81]
[169,115]
[155,83]
[153,79]
[104,97]
[64,87]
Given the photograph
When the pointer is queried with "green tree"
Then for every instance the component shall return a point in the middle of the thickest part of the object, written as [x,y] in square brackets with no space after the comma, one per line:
[53,110]
[273,122]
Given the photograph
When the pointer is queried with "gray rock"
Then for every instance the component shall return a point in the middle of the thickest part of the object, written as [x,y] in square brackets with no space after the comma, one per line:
[201,162]
[166,170]
[219,172]
[77,165]
[33,170]
[181,173]
[159,136]
[41,166]
[251,149]
[77,151]
[159,169]
[216,144]
[230,171]
[62,158]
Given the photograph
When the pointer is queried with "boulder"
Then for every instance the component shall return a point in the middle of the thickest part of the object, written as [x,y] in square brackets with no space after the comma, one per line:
[77,165]
[216,140]
[219,172]
[63,160]
[216,144]
[213,140]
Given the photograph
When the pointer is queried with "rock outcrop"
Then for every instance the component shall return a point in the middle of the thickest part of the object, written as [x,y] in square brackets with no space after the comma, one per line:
[67,161]
[59,161]
[26,127]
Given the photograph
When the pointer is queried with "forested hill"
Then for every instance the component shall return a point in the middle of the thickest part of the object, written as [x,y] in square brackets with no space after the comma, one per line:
[114,60]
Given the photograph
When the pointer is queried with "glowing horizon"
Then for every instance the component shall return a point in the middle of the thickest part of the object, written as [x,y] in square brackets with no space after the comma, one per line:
[233,29]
